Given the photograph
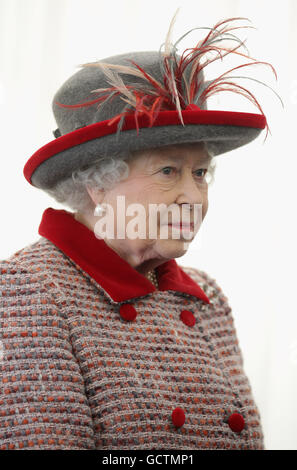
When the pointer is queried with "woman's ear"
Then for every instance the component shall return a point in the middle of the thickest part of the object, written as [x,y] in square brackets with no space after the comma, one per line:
[95,194]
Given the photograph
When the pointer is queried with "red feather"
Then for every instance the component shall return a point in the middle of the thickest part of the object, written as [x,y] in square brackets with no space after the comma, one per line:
[249,95]
[170,95]
[153,82]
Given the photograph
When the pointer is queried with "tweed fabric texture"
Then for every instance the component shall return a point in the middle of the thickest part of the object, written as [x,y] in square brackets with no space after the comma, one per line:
[75,375]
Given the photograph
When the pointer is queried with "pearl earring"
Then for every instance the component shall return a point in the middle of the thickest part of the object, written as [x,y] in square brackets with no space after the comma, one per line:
[99,210]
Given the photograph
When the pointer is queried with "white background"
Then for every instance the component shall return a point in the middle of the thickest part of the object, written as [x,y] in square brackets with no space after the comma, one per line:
[247,240]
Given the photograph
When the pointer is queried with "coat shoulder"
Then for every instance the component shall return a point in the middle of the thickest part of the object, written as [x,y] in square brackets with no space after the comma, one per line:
[207,283]
[14,279]
[23,275]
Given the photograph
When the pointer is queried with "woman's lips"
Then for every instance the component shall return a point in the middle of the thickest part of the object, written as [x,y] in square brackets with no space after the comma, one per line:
[183,226]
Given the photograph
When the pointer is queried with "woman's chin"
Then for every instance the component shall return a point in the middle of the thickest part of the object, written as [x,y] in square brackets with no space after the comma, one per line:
[172,248]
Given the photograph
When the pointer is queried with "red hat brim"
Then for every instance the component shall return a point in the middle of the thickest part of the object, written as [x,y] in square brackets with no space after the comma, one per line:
[214,120]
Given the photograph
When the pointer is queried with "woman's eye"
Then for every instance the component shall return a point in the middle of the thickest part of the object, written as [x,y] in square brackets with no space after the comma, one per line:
[167,168]
[204,170]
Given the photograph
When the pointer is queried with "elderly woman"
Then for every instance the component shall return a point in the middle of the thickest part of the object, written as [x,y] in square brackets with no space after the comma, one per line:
[107,342]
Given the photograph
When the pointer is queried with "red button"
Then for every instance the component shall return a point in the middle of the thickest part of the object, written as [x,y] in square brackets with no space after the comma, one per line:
[236,422]
[128,312]
[188,318]
[178,417]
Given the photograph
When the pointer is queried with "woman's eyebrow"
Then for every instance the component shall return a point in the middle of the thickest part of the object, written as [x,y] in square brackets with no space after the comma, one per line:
[201,160]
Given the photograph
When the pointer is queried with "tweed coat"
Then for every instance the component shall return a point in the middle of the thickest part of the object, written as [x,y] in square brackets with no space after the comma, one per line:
[93,356]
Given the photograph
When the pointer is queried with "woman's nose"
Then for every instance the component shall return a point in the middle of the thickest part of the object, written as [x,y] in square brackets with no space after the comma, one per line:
[190,190]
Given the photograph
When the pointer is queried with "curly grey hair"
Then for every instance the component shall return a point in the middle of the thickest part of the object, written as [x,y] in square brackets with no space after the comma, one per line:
[104,173]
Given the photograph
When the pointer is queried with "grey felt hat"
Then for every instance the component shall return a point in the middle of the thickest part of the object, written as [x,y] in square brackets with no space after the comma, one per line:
[141,100]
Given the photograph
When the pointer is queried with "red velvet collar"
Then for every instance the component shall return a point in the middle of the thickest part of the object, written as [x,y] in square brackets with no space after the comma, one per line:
[117,277]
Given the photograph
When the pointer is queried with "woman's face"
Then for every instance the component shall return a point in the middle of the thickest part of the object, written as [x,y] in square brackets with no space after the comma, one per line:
[173,176]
